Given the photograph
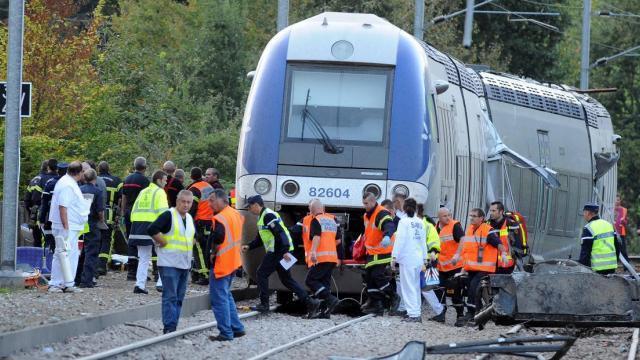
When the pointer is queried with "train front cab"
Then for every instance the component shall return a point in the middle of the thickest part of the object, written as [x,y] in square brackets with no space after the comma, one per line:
[337,129]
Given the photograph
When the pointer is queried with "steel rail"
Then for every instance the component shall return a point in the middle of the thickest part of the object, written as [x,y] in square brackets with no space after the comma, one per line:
[313,336]
[162,338]
[633,349]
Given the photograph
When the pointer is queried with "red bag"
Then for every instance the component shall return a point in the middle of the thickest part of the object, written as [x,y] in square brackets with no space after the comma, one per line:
[359,253]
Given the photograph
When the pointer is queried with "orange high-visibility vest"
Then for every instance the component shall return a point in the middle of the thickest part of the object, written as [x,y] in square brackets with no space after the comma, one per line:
[326,251]
[504,239]
[477,254]
[306,241]
[373,235]
[204,211]
[228,257]
[448,248]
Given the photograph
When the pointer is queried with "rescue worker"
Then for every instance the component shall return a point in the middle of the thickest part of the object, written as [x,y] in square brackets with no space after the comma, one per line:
[91,239]
[45,205]
[32,201]
[232,197]
[114,187]
[132,186]
[450,232]
[378,230]
[274,236]
[174,185]
[320,234]
[151,202]
[212,176]
[173,233]
[479,254]
[621,226]
[598,248]
[410,252]
[224,255]
[510,237]
[432,241]
[202,214]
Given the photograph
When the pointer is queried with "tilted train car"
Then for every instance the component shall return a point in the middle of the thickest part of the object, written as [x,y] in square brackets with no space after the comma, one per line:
[343,103]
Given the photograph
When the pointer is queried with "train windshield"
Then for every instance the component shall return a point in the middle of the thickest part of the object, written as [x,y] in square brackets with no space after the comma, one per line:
[342,105]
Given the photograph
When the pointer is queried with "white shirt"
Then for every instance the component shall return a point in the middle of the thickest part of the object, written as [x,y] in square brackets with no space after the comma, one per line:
[410,247]
[401,214]
[67,193]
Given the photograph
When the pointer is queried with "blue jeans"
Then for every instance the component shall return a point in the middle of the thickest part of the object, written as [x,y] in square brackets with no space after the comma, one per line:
[174,286]
[223,305]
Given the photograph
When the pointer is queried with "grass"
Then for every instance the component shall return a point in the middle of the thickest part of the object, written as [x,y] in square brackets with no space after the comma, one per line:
[4,291]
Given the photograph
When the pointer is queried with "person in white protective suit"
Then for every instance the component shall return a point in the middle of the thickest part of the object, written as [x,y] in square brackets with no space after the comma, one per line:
[68,215]
[410,252]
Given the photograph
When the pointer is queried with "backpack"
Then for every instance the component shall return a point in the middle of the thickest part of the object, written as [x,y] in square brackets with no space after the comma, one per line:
[517,217]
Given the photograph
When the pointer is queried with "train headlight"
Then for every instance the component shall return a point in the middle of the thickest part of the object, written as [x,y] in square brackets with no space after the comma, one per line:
[290,188]
[401,190]
[374,189]
[262,186]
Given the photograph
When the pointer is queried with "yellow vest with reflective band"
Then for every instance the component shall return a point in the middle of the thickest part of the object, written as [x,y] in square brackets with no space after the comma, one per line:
[151,202]
[110,211]
[603,250]
[266,235]
[433,240]
[178,251]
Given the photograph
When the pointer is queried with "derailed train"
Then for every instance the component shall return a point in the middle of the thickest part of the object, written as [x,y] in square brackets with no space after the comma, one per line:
[346,103]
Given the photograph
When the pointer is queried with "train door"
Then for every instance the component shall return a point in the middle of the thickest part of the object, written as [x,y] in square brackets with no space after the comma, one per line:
[542,191]
[447,163]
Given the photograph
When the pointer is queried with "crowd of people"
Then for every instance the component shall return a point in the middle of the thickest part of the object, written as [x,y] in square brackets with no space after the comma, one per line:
[195,232]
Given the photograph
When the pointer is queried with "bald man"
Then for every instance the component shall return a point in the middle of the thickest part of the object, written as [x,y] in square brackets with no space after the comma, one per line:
[450,232]
[174,184]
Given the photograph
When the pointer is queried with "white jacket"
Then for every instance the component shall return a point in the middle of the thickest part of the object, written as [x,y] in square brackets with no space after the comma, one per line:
[410,247]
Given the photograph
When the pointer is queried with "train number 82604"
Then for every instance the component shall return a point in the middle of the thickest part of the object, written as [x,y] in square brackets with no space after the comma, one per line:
[321,192]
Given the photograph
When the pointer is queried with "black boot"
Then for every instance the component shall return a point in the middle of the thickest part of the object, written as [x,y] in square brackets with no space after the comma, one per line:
[262,307]
[132,269]
[313,307]
[376,308]
[440,317]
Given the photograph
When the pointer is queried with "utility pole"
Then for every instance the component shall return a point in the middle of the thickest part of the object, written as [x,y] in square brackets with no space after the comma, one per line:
[468,24]
[12,145]
[586,43]
[418,20]
[283,14]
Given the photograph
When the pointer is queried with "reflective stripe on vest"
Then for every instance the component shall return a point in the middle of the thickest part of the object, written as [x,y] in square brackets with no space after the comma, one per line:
[477,254]
[265,233]
[306,241]
[448,248]
[151,202]
[326,251]
[228,258]
[504,239]
[433,240]
[177,252]
[373,234]
[603,251]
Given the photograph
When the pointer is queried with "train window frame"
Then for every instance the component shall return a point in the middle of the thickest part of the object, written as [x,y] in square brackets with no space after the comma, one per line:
[389,71]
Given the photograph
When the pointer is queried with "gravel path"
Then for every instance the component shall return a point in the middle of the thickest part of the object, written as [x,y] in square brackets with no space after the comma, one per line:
[31,307]
[374,337]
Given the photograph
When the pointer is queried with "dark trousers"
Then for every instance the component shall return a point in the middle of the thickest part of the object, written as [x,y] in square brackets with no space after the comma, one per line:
[319,279]
[86,269]
[473,283]
[451,287]
[106,247]
[37,236]
[505,271]
[379,286]
[606,272]
[623,247]
[49,240]
[200,250]
[132,250]
[271,263]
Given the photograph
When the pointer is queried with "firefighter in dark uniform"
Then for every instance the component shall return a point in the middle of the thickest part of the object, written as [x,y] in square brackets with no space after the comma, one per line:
[45,205]
[379,229]
[114,188]
[510,236]
[32,201]
[174,185]
[133,184]
[202,215]
[599,247]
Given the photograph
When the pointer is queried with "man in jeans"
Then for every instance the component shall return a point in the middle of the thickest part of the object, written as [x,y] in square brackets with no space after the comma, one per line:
[173,233]
[224,256]
[68,214]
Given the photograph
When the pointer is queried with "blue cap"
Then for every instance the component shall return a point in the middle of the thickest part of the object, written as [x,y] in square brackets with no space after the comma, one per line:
[256,199]
[591,207]
[62,165]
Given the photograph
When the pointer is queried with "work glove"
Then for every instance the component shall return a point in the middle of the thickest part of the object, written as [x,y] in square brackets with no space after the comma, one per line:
[504,257]
[386,241]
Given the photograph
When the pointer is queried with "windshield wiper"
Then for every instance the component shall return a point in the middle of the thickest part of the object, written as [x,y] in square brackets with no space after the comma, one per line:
[321,134]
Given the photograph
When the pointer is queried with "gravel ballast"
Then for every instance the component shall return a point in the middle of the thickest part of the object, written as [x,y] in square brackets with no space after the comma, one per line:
[31,307]
[374,337]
